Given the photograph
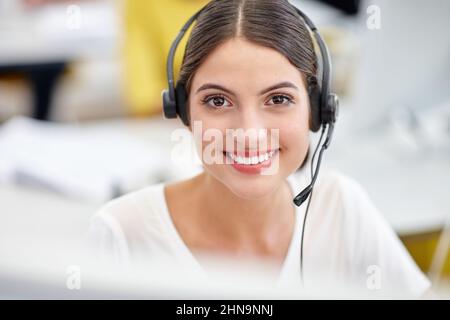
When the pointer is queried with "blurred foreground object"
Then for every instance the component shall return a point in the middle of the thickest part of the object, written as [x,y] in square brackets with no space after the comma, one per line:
[60,271]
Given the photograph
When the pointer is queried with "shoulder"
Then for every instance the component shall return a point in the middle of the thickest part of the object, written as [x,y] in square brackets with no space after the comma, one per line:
[337,183]
[341,212]
[347,198]
[343,201]
[131,216]
[339,205]
[146,201]
[344,214]
[337,191]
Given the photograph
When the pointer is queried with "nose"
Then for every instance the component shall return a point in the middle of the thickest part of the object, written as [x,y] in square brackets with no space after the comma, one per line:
[250,129]
[250,117]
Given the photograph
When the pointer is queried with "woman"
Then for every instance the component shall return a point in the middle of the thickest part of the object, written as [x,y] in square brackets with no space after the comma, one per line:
[249,65]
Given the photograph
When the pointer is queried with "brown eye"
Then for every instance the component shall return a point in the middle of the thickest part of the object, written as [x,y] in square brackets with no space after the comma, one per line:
[216,102]
[280,99]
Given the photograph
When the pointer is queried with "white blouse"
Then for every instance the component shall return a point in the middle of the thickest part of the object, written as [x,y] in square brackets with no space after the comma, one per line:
[346,238]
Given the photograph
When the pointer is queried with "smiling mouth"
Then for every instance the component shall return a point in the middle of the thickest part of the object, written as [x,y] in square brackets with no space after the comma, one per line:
[248,160]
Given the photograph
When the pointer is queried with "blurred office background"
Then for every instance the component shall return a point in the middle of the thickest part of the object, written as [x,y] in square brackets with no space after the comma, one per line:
[81,121]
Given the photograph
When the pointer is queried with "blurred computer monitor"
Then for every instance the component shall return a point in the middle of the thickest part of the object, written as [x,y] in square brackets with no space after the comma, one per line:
[405,63]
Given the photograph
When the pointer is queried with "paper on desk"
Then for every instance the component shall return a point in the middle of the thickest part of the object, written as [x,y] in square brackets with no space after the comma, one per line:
[93,164]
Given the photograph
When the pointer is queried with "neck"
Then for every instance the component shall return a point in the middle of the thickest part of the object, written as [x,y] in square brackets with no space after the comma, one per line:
[246,220]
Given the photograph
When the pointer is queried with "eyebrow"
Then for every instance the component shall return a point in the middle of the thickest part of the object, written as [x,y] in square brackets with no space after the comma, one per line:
[284,84]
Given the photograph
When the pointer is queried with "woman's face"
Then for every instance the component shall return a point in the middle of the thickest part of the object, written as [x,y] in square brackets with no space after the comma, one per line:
[234,89]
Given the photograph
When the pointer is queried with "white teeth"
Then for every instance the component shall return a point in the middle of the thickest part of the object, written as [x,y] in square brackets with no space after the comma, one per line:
[251,160]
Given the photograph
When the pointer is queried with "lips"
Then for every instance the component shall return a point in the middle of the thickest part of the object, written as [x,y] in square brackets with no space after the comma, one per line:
[251,161]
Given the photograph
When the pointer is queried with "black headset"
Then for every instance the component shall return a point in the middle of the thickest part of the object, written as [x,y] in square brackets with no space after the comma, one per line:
[324,104]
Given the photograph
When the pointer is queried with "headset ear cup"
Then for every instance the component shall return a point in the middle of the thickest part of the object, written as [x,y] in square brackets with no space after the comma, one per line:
[169,106]
[182,103]
[332,111]
[314,103]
